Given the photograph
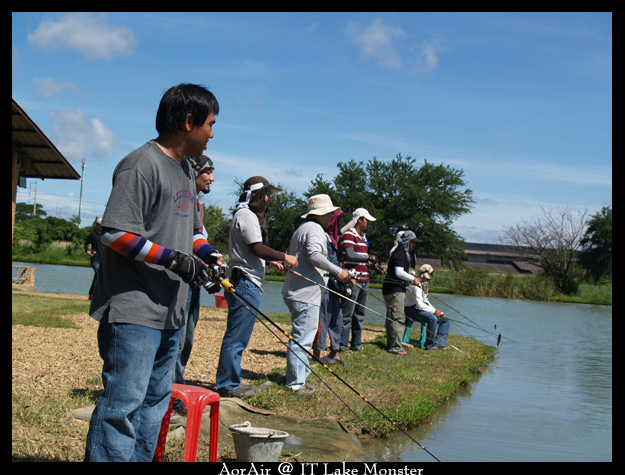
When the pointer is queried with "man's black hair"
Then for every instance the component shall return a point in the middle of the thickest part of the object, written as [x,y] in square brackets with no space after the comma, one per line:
[181,100]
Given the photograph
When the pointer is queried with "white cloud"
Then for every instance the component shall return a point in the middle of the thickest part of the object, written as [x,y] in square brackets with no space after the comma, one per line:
[382,42]
[377,41]
[91,35]
[48,88]
[78,136]
[427,56]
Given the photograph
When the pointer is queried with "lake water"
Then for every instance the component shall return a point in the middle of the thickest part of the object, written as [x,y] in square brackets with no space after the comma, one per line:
[547,396]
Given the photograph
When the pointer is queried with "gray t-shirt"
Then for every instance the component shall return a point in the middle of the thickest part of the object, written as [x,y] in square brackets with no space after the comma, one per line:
[309,245]
[153,196]
[245,230]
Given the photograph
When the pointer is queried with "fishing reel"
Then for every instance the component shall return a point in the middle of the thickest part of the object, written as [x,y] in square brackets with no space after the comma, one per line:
[374,263]
[352,273]
[215,275]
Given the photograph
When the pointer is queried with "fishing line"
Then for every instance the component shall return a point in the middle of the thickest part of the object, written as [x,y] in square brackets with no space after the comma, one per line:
[230,288]
[457,291]
[499,337]
[256,315]
[421,325]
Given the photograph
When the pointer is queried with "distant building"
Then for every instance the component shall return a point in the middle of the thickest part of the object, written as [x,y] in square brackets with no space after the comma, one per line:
[494,258]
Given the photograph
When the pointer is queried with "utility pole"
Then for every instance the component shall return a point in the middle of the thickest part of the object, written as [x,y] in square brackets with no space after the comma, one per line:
[82,180]
[35,202]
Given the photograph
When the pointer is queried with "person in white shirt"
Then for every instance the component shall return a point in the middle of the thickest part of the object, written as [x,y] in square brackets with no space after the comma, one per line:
[249,255]
[418,308]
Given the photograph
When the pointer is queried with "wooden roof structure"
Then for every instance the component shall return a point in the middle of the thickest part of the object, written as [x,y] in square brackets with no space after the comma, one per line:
[38,157]
[33,155]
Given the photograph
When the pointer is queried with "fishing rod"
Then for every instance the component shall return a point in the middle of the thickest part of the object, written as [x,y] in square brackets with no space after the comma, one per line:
[263,323]
[227,285]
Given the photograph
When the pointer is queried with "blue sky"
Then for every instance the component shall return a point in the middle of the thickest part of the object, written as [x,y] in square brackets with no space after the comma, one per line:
[521,102]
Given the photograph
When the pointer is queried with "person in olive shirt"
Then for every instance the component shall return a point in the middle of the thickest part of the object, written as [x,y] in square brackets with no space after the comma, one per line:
[394,290]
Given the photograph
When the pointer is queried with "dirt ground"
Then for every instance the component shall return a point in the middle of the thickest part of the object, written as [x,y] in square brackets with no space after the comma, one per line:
[54,361]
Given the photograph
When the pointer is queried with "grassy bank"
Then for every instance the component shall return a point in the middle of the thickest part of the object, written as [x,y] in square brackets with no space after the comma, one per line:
[406,388]
[480,283]
[70,256]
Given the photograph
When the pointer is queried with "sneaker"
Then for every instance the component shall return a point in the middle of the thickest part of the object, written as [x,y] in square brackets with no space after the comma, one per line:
[326,360]
[245,390]
[179,408]
[239,392]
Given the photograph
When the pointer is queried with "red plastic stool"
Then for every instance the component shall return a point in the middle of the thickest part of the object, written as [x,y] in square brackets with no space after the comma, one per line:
[195,400]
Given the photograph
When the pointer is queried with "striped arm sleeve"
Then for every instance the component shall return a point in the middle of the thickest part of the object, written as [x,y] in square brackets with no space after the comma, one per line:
[135,246]
[201,247]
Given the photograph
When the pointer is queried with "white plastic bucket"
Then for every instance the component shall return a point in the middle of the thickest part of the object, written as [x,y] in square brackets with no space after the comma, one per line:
[257,444]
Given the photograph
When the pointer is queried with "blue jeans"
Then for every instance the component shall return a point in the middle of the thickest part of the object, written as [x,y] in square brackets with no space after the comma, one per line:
[436,328]
[187,331]
[305,320]
[330,322]
[238,333]
[353,316]
[137,373]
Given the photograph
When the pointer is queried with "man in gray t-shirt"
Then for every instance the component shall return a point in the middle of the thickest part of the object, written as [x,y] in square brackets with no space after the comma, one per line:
[151,254]
[162,211]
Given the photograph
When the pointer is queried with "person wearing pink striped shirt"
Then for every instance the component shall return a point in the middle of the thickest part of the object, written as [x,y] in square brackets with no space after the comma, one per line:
[355,249]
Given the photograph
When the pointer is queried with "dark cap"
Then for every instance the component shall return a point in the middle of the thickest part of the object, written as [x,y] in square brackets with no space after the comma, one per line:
[258,182]
[201,164]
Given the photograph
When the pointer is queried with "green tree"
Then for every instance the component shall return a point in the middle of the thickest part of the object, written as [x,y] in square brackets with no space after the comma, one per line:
[283,218]
[40,229]
[24,211]
[402,195]
[217,226]
[596,253]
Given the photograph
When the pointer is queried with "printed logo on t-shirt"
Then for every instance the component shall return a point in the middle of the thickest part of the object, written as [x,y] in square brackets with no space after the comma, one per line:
[183,203]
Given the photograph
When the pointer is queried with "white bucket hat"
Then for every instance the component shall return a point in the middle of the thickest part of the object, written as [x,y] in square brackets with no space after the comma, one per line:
[319,205]
[426,271]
